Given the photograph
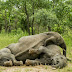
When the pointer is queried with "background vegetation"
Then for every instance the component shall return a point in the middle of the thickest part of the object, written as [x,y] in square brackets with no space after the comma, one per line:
[28,17]
[35,16]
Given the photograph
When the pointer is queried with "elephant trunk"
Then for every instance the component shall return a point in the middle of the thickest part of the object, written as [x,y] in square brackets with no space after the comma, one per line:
[63,46]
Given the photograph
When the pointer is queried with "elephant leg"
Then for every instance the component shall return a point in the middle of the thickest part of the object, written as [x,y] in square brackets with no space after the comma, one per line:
[18,63]
[32,62]
[15,62]
[40,50]
[34,51]
[63,45]
[43,61]
[8,63]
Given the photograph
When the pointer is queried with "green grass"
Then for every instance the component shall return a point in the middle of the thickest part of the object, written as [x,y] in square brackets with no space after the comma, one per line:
[68,41]
[6,39]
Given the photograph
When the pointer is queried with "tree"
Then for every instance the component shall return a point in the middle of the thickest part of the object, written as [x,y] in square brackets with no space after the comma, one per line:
[34,16]
[45,18]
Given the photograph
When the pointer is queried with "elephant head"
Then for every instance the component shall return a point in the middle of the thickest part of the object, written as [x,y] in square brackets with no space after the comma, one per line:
[59,61]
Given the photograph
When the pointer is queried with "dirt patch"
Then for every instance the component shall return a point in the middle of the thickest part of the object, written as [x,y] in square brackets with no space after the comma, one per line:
[40,68]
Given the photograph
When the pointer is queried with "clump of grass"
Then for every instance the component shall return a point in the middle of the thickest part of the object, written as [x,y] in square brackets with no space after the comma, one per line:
[46,66]
[68,41]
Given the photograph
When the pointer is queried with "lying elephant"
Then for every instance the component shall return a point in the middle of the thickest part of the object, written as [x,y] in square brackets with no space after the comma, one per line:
[50,54]
[20,51]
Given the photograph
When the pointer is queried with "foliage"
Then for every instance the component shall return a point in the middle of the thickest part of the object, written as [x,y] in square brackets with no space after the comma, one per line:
[44,17]
[35,14]
[13,37]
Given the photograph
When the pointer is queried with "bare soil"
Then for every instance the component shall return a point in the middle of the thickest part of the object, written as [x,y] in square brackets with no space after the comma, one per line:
[40,68]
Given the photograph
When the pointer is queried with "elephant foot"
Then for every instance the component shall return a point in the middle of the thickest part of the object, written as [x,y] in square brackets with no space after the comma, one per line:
[8,63]
[18,63]
[28,62]
[31,62]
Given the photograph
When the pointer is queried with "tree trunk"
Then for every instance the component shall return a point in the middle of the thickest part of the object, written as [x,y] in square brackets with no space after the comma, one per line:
[49,28]
[9,28]
[0,27]
[38,29]
[1,23]
[6,25]
[28,25]
[33,18]
[53,3]
[15,26]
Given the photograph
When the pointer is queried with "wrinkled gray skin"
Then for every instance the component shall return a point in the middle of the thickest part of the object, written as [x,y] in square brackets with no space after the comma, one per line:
[18,52]
[59,61]
[48,55]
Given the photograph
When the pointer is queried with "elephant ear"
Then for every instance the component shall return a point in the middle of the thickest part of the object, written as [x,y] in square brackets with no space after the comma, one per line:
[50,40]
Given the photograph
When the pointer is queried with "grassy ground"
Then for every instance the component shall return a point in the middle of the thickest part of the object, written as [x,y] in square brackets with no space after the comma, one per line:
[6,39]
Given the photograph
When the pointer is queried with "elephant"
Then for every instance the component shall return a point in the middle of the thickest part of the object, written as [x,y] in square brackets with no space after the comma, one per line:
[50,54]
[19,52]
